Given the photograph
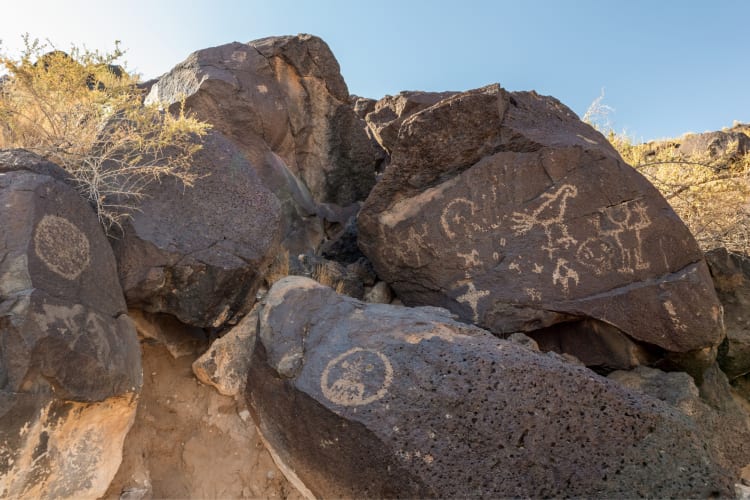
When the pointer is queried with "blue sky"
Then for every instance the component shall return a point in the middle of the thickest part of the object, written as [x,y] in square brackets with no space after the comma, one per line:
[667,67]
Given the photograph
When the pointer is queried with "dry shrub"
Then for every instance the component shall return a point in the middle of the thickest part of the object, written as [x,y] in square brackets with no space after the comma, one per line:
[710,193]
[279,268]
[85,113]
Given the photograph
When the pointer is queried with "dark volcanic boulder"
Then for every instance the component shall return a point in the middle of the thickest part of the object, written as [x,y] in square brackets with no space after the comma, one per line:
[70,366]
[390,112]
[401,402]
[198,253]
[731,275]
[508,210]
[286,94]
[710,147]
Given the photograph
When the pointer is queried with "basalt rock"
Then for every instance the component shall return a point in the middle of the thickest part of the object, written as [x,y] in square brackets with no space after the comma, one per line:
[405,402]
[711,406]
[199,253]
[70,365]
[731,275]
[285,94]
[389,113]
[508,210]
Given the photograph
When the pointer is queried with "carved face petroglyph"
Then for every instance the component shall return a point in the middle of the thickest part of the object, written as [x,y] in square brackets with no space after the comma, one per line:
[357,377]
[62,247]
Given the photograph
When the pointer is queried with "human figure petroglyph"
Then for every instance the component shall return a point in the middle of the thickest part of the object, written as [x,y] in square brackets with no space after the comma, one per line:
[471,296]
[409,247]
[619,236]
[356,377]
[550,216]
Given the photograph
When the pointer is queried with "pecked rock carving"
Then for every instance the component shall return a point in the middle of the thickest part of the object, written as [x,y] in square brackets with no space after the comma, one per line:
[530,219]
[407,402]
[61,246]
[356,377]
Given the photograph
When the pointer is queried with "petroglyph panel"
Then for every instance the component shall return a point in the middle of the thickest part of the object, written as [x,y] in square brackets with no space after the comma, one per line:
[550,216]
[62,247]
[618,245]
[357,377]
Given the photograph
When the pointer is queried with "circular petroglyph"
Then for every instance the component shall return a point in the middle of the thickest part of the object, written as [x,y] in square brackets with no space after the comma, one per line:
[357,377]
[61,246]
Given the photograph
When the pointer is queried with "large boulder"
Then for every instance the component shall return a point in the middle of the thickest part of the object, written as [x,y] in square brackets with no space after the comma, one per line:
[731,275]
[401,402]
[70,366]
[286,94]
[508,210]
[199,253]
[389,113]
[711,406]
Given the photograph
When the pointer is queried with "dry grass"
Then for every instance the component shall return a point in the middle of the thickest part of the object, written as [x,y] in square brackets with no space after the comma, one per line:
[278,269]
[84,113]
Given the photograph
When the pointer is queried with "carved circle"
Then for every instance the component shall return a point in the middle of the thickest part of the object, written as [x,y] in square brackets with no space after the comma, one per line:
[62,247]
[357,377]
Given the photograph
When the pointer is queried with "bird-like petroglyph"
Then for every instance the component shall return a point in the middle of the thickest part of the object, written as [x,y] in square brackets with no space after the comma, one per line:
[62,247]
[615,245]
[550,216]
[357,377]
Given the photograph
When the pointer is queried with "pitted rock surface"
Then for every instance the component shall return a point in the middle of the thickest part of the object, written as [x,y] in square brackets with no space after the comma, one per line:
[70,363]
[731,275]
[403,402]
[199,253]
[508,210]
[711,406]
[286,94]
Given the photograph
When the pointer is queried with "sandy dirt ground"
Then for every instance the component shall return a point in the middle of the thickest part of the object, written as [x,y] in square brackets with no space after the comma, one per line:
[188,441]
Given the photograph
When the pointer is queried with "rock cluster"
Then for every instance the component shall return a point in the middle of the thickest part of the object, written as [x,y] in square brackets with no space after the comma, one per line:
[508,210]
[70,367]
[418,296]
[409,402]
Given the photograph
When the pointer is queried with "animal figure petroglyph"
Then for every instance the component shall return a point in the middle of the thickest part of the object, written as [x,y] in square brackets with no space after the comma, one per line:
[550,216]
[618,231]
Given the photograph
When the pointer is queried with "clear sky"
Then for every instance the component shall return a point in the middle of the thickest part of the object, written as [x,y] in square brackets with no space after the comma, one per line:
[667,67]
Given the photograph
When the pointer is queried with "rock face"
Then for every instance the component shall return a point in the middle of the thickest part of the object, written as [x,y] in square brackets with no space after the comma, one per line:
[390,112]
[285,95]
[198,253]
[727,146]
[712,407]
[70,365]
[731,275]
[409,403]
[508,210]
[226,362]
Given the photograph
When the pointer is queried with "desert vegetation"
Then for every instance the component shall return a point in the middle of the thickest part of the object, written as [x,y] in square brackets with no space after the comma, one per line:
[82,110]
[709,189]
